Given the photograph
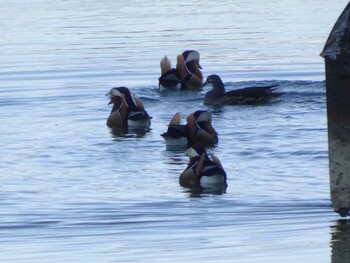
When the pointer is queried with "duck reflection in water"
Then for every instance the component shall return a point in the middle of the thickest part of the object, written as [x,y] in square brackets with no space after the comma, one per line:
[197,132]
[128,113]
[203,174]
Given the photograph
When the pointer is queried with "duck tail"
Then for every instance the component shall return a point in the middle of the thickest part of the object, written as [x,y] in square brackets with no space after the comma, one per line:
[165,65]
[176,119]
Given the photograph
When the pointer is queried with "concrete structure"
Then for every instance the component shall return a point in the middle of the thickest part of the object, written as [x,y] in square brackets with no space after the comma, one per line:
[337,60]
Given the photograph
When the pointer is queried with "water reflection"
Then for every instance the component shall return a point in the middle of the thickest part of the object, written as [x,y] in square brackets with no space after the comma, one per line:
[340,242]
[127,133]
[176,148]
[203,192]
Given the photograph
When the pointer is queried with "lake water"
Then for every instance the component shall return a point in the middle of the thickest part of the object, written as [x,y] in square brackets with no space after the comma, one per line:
[71,191]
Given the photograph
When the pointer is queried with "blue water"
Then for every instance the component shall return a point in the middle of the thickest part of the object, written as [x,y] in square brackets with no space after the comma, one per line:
[72,191]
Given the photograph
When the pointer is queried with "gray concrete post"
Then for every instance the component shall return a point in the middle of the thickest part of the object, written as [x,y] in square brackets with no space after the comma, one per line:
[337,63]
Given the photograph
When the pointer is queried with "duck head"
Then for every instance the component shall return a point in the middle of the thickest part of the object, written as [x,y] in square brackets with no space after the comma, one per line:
[189,70]
[202,115]
[190,176]
[201,131]
[213,96]
[192,56]
[196,152]
[115,97]
[216,83]
[127,94]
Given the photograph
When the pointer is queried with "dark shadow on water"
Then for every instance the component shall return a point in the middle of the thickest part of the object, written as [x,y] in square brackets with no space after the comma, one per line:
[340,241]
[204,192]
[128,133]
[176,148]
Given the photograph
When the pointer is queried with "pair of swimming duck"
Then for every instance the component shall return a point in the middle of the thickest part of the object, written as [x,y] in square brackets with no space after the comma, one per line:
[202,172]
[188,76]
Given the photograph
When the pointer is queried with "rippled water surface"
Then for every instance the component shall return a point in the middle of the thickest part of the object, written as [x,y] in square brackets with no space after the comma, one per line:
[72,191]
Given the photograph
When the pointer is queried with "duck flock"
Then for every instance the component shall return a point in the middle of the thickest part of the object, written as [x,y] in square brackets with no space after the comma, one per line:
[202,172]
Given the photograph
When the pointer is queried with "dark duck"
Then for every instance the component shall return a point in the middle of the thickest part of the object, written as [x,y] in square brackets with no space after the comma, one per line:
[127,111]
[203,172]
[186,76]
[198,131]
[250,95]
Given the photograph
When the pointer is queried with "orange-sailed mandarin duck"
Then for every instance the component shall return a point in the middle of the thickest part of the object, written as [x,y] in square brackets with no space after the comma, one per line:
[198,131]
[186,76]
[203,172]
[132,110]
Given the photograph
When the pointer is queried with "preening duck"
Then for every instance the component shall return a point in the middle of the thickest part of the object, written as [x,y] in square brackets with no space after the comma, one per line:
[131,110]
[203,172]
[198,131]
[186,75]
[250,95]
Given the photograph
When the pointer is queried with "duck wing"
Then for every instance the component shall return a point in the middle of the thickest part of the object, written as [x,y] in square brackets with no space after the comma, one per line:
[176,131]
[248,95]
[136,115]
[170,79]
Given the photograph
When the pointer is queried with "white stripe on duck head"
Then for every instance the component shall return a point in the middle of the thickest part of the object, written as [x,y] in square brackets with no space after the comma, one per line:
[189,70]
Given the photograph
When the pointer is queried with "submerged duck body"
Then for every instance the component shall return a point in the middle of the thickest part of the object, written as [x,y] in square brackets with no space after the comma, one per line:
[203,172]
[186,76]
[131,110]
[250,95]
[198,131]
